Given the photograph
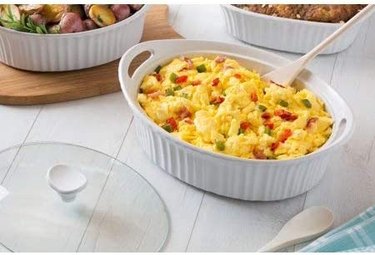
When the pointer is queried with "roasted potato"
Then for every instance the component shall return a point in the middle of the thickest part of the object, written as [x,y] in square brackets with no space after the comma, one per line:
[71,22]
[89,24]
[30,9]
[102,15]
[121,11]
[54,12]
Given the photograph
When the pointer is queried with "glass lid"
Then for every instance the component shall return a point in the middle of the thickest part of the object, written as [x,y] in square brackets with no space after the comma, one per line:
[113,208]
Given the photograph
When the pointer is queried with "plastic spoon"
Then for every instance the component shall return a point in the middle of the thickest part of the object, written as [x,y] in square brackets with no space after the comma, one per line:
[287,74]
[67,181]
[305,226]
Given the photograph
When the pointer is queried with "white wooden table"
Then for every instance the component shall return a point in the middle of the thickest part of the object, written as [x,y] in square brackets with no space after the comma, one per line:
[201,221]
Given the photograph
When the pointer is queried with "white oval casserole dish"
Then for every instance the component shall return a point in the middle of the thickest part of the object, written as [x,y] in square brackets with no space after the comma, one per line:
[225,175]
[298,36]
[74,51]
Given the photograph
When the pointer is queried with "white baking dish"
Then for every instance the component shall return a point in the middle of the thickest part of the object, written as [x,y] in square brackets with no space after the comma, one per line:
[221,174]
[284,34]
[64,52]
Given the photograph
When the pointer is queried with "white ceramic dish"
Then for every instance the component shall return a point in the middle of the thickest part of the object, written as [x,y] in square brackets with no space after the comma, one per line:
[65,52]
[284,34]
[221,174]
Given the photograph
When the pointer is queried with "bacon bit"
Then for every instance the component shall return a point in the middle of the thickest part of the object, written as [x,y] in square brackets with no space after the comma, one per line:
[269,124]
[158,76]
[217,100]
[311,122]
[184,113]
[181,79]
[259,154]
[196,82]
[285,135]
[189,62]
[245,125]
[266,115]
[237,75]
[172,122]
[215,82]
[220,59]
[285,115]
[274,146]
[155,94]
[188,120]
[254,97]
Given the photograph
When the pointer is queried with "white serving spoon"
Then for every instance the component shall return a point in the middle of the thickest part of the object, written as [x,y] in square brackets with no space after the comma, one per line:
[287,74]
[303,227]
[67,181]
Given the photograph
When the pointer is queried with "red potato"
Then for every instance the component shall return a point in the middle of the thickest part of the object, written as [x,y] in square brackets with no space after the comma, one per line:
[121,11]
[71,23]
[135,7]
[89,24]
[38,19]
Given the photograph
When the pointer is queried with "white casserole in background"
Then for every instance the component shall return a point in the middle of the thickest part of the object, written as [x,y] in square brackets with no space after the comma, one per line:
[225,175]
[298,36]
[73,51]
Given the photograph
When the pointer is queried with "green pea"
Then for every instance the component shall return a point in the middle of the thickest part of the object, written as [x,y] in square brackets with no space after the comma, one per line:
[262,107]
[220,145]
[169,92]
[267,130]
[167,128]
[307,103]
[201,68]
[173,77]
[177,88]
[283,103]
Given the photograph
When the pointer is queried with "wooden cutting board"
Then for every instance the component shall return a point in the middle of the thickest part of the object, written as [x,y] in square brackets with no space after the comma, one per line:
[19,87]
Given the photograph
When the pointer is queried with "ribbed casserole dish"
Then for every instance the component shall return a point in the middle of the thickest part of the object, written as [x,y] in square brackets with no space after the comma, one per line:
[284,34]
[229,176]
[65,52]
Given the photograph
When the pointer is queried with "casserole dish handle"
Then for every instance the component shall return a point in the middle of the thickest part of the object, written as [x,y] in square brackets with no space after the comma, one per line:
[157,49]
[344,126]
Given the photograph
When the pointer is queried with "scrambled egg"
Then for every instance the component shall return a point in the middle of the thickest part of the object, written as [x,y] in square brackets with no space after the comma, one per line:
[218,105]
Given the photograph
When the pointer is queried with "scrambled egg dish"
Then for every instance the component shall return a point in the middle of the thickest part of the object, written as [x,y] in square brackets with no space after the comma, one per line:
[218,105]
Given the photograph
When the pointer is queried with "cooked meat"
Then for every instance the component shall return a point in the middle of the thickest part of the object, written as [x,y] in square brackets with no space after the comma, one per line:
[332,13]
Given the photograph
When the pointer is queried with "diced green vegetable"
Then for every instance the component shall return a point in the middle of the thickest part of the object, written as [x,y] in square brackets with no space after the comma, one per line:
[185,95]
[267,130]
[262,107]
[157,69]
[169,92]
[283,103]
[307,103]
[220,145]
[173,77]
[201,68]
[177,88]
[241,131]
[167,128]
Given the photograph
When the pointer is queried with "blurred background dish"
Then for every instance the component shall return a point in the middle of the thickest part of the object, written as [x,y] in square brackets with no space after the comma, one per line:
[292,28]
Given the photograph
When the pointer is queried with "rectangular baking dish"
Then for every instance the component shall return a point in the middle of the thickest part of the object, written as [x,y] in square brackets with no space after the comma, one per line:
[297,36]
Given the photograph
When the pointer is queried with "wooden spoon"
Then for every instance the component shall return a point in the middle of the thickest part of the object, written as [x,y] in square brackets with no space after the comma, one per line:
[305,226]
[287,74]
